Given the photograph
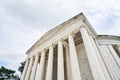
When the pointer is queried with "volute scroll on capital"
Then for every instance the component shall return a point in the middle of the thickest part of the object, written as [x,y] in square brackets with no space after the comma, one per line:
[83,26]
[72,34]
[61,40]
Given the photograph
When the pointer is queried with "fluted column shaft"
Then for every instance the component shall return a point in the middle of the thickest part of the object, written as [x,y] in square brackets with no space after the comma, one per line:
[25,70]
[60,74]
[50,64]
[41,66]
[29,69]
[34,68]
[91,54]
[74,61]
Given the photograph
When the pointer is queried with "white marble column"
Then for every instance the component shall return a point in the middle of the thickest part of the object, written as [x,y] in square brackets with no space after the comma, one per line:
[25,70]
[91,54]
[74,60]
[60,75]
[34,68]
[49,72]
[68,64]
[41,66]
[29,69]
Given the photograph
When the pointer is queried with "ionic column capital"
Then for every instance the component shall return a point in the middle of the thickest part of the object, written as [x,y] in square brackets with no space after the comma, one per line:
[82,26]
[32,57]
[72,34]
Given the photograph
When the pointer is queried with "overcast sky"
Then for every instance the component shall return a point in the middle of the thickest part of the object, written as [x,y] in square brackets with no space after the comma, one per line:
[23,22]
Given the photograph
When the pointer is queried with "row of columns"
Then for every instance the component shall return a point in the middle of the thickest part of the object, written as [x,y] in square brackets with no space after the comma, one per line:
[30,72]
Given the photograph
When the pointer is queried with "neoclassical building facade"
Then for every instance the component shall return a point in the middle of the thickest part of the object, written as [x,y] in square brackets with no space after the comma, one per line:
[73,51]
